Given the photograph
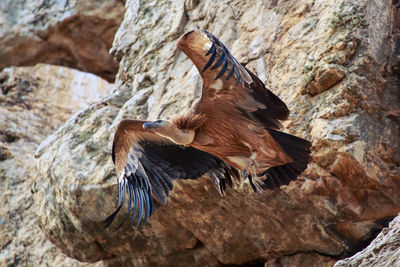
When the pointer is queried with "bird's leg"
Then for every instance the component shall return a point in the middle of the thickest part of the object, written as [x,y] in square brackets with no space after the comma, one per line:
[251,165]
[251,173]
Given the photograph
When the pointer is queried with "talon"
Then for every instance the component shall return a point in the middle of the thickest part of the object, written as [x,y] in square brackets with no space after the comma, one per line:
[251,167]
[250,172]
[259,184]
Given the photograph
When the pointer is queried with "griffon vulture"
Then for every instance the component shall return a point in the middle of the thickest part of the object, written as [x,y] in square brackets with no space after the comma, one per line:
[231,131]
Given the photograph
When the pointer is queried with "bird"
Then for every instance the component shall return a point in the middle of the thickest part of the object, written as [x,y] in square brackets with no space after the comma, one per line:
[231,132]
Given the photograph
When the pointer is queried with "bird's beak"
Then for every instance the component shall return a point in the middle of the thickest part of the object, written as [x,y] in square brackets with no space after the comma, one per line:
[149,125]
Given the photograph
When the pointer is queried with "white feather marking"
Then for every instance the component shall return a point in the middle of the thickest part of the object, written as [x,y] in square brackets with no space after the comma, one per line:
[122,179]
[217,85]
[207,45]
[253,127]
[270,153]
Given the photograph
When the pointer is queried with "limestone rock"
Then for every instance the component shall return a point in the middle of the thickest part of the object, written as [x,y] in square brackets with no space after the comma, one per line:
[325,79]
[384,250]
[34,102]
[75,33]
[349,192]
[394,115]
[302,259]
[33,94]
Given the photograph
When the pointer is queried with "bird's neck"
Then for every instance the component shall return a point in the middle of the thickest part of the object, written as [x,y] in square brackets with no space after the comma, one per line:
[179,136]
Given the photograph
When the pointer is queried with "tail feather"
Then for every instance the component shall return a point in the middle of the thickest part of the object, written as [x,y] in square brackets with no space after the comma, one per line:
[284,178]
[298,149]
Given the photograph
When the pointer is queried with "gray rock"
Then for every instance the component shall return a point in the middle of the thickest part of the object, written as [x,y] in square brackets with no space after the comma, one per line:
[34,102]
[384,250]
[342,199]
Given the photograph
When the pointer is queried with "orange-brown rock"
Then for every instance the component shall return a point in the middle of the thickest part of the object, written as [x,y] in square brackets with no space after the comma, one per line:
[349,192]
[301,259]
[326,77]
[383,250]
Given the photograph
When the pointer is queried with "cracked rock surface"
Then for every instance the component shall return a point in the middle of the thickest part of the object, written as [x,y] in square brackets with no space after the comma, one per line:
[384,250]
[323,58]
[72,33]
[34,102]
[335,64]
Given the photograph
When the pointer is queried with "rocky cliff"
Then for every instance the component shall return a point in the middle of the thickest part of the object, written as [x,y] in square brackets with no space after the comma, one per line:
[34,102]
[71,33]
[334,63]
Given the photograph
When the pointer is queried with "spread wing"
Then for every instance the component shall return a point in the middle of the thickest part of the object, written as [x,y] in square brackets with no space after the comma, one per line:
[226,80]
[146,164]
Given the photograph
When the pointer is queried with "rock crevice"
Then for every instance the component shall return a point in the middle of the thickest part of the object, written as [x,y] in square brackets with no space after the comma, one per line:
[330,61]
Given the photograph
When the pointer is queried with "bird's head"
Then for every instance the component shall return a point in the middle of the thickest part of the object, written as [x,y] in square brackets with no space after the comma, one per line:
[169,130]
[157,125]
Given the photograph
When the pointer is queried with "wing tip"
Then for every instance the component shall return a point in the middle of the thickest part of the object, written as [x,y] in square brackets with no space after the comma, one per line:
[113,152]
[242,76]
[107,222]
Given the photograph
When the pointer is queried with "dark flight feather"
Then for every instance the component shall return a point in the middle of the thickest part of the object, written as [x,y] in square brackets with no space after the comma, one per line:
[113,153]
[222,59]
[298,149]
[211,60]
[275,109]
[231,72]
[219,51]
[222,71]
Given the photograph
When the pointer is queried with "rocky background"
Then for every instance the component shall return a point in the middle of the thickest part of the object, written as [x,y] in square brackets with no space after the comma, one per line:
[335,64]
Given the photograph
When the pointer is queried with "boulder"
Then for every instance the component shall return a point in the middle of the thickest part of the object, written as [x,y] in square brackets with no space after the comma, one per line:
[34,102]
[349,192]
[383,251]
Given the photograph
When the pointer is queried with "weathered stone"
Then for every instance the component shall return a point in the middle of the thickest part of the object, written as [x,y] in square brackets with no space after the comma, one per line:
[384,250]
[34,102]
[33,94]
[73,33]
[326,77]
[349,192]
[302,259]
[394,115]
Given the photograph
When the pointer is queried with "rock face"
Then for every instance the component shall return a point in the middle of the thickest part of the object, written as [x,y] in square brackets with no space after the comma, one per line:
[323,58]
[71,33]
[383,251]
[301,259]
[34,102]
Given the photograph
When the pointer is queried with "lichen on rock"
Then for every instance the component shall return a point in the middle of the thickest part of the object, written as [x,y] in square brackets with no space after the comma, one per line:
[331,210]
[327,60]
[34,102]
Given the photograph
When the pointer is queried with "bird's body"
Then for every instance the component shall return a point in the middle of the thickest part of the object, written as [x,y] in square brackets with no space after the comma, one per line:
[233,128]
[232,137]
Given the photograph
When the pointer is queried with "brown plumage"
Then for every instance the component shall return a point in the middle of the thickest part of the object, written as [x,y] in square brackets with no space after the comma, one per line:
[231,129]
